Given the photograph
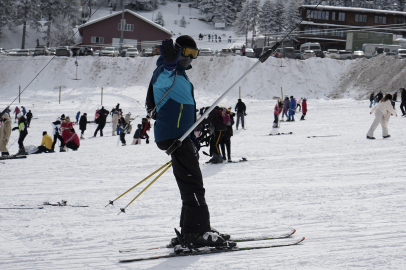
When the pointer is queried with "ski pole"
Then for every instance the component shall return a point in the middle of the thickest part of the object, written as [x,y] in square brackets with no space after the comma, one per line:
[122,210]
[112,202]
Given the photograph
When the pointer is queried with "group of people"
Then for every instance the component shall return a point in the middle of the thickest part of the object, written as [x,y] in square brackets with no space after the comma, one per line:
[384,110]
[289,108]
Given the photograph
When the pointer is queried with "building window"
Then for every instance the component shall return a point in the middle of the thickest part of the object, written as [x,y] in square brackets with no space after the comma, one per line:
[318,14]
[338,16]
[127,27]
[380,19]
[97,40]
[360,18]
[399,20]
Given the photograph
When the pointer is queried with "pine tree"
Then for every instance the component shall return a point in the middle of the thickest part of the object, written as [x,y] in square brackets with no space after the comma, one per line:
[279,17]
[383,4]
[53,10]
[253,14]
[5,14]
[265,20]
[160,19]
[206,7]
[292,18]
[26,13]
[224,11]
[240,26]
[182,22]
[61,33]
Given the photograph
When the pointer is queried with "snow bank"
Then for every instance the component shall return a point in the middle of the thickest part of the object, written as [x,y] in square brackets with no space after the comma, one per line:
[364,76]
[312,78]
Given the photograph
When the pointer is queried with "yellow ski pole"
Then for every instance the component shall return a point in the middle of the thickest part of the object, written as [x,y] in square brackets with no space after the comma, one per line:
[142,181]
[123,209]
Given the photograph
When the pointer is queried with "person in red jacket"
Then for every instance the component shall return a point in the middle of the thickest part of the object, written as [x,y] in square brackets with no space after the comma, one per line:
[304,108]
[73,141]
[65,129]
[277,111]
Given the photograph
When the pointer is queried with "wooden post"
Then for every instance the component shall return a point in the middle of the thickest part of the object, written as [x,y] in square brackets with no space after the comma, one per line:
[102,97]
[240,92]
[19,94]
[60,89]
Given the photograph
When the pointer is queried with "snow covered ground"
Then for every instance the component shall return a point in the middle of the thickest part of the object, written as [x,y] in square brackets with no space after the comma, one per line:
[344,193]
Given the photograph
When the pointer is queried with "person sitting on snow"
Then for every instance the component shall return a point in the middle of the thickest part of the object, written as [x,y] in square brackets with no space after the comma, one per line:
[46,144]
[137,135]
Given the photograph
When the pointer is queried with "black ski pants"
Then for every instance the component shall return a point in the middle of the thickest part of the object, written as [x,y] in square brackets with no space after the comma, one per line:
[56,137]
[403,107]
[21,141]
[72,146]
[28,122]
[226,143]
[100,127]
[195,216]
[122,137]
[240,115]
[215,142]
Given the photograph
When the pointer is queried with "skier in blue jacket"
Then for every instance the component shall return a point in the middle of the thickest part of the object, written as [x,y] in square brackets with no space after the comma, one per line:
[292,109]
[175,114]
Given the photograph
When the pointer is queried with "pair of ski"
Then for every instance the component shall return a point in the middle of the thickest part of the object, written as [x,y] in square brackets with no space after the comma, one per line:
[212,250]
[273,134]
[12,157]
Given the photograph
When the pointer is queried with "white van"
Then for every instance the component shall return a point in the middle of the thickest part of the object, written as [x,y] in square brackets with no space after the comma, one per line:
[370,48]
[313,46]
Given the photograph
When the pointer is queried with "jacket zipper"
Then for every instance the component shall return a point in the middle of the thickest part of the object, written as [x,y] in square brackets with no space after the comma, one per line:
[180,113]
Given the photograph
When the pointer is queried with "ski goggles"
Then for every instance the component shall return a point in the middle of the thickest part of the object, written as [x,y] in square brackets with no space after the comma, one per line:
[188,51]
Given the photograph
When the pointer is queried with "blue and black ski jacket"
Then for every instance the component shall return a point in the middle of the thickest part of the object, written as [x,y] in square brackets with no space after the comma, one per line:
[177,111]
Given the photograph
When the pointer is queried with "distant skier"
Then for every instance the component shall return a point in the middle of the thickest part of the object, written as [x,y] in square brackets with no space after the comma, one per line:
[403,101]
[292,109]
[5,133]
[137,135]
[16,112]
[240,108]
[123,130]
[229,39]
[226,142]
[371,99]
[286,104]
[77,117]
[383,112]
[216,120]
[378,97]
[83,124]
[394,99]
[304,109]
[103,113]
[29,117]
[209,37]
[146,126]
[57,132]
[22,127]
[277,112]
[23,110]
[299,104]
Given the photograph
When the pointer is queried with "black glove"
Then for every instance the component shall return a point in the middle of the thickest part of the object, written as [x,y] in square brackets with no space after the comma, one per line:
[170,54]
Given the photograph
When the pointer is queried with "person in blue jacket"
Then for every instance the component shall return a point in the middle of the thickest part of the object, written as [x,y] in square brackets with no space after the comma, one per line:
[77,117]
[24,110]
[292,109]
[174,115]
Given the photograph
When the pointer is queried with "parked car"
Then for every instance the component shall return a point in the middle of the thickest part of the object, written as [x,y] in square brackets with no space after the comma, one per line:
[63,51]
[205,52]
[237,52]
[12,52]
[249,52]
[41,50]
[97,53]
[358,54]
[156,50]
[52,51]
[257,52]
[2,52]
[401,53]
[124,50]
[226,52]
[313,46]
[132,52]
[297,54]
[24,52]
[287,52]
[307,54]
[85,51]
[391,54]
[147,52]
[331,53]
[108,51]
[344,55]
[379,51]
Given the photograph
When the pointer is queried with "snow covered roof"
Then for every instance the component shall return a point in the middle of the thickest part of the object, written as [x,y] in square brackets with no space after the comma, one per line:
[132,13]
[322,38]
[356,9]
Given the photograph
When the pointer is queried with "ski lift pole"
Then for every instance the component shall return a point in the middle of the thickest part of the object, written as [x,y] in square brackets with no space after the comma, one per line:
[262,59]
[112,202]
[122,210]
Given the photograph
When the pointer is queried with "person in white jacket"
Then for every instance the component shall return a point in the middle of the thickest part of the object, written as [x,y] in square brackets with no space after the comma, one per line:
[383,112]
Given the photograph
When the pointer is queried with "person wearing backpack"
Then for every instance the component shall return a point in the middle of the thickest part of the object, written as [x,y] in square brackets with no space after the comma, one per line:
[217,118]
[226,142]
[277,111]
[146,126]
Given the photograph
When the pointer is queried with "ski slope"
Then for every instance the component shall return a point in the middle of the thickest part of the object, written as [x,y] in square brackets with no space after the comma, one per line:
[345,194]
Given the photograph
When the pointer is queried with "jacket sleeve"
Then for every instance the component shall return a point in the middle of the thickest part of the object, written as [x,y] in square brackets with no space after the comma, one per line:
[374,109]
[390,108]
